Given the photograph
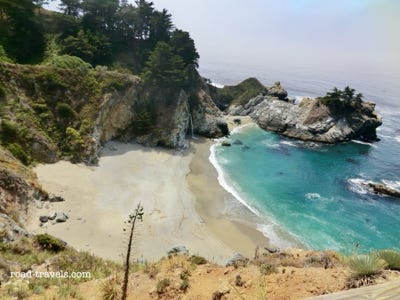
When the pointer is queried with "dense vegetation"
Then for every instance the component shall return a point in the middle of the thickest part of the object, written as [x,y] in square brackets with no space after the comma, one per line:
[113,33]
[53,106]
[342,101]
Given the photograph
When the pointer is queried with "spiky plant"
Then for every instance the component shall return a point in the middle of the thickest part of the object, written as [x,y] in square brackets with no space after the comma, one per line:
[365,264]
[136,216]
[391,257]
[111,288]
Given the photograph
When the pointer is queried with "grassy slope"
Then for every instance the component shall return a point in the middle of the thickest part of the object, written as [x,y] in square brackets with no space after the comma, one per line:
[237,94]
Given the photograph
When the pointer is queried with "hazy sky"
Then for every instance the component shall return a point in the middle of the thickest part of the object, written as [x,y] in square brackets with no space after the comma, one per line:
[336,33]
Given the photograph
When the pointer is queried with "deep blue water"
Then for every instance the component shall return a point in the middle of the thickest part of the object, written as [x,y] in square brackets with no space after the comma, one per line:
[312,192]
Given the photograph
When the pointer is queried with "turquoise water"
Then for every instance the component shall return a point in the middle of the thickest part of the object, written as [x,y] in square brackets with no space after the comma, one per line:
[314,192]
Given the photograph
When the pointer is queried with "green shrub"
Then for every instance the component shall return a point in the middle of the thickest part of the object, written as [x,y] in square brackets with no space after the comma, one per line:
[162,285]
[184,285]
[197,260]
[19,153]
[2,93]
[69,62]
[48,242]
[51,81]
[40,107]
[391,257]
[3,55]
[365,265]
[65,111]
[8,131]
[267,269]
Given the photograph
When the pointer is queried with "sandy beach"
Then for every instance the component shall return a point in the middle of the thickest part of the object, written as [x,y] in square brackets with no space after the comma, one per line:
[183,204]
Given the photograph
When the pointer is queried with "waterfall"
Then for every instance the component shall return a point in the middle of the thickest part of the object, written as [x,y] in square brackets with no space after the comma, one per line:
[191,123]
[190,119]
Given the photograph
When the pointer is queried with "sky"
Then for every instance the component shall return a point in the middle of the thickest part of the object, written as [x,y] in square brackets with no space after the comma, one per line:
[292,33]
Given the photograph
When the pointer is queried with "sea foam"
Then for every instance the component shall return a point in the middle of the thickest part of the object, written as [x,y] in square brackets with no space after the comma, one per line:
[224,183]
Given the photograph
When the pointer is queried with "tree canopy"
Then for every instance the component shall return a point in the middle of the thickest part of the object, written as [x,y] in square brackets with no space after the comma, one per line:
[114,33]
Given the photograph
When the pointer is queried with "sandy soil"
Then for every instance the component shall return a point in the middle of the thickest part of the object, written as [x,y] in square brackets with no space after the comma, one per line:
[182,200]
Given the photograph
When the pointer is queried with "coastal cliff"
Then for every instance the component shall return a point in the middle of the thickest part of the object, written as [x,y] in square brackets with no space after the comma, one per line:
[328,119]
[49,113]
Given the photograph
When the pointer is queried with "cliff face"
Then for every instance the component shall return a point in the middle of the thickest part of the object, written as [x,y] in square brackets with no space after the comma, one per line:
[55,113]
[18,185]
[311,120]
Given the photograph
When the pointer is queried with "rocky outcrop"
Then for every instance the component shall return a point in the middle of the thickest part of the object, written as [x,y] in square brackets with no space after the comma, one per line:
[382,189]
[276,91]
[311,120]
[10,230]
[18,186]
[207,118]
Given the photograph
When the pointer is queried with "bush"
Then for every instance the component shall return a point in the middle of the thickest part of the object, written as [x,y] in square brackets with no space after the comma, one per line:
[184,285]
[8,131]
[267,269]
[111,288]
[366,265]
[162,285]
[51,81]
[69,62]
[3,55]
[65,111]
[40,108]
[48,242]
[391,257]
[197,260]
[19,153]
[2,93]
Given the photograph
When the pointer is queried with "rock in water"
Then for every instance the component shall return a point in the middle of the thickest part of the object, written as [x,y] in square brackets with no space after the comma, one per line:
[380,188]
[238,142]
[312,120]
[226,144]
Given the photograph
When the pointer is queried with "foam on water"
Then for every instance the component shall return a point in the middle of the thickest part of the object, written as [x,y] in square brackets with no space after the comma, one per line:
[364,143]
[359,185]
[311,196]
[392,184]
[224,183]
[290,143]
[270,144]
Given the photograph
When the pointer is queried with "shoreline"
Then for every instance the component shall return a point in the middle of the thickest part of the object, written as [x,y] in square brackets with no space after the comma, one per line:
[211,200]
[182,198]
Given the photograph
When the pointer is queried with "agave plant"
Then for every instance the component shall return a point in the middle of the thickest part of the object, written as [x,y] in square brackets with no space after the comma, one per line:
[366,265]
[391,257]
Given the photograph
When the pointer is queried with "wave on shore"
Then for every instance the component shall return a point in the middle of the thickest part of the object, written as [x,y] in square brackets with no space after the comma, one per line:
[277,236]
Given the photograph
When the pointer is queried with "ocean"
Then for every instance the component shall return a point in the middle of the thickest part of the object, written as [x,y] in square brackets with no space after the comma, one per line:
[311,195]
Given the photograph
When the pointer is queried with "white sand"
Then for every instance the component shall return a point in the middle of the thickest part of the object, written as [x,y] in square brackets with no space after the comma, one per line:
[99,199]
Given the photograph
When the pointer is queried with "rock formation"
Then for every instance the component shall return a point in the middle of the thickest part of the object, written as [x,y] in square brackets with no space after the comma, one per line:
[382,189]
[311,120]
[18,186]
